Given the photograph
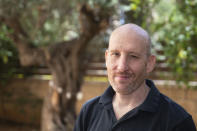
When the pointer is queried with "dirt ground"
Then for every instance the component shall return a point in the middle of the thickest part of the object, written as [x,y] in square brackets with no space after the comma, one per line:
[97,90]
[16,128]
[10,126]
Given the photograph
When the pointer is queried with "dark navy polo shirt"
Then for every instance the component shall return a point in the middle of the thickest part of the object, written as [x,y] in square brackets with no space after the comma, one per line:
[156,113]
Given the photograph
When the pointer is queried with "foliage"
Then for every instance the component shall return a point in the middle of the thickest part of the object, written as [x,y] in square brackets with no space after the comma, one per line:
[139,12]
[9,61]
[8,55]
[45,22]
[172,23]
[177,32]
[49,21]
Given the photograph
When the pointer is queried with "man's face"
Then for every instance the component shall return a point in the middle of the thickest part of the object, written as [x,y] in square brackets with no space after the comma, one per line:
[127,62]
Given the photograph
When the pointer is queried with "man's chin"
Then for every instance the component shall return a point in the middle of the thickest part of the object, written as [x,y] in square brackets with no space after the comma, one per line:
[122,87]
[123,83]
[122,90]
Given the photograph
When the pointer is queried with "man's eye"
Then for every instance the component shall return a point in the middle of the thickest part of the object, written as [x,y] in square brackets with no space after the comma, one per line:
[115,54]
[133,56]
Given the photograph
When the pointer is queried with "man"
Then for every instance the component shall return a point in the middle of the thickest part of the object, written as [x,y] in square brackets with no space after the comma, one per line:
[132,103]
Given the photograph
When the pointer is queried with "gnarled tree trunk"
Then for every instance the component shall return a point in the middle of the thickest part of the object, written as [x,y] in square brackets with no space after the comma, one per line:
[67,63]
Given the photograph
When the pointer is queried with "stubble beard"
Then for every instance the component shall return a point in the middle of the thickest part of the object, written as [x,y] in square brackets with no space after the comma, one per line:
[129,88]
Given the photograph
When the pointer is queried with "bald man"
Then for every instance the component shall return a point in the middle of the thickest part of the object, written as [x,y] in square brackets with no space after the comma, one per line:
[131,102]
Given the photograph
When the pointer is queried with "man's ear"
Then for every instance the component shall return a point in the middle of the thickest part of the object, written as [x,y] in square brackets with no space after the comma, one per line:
[106,55]
[151,63]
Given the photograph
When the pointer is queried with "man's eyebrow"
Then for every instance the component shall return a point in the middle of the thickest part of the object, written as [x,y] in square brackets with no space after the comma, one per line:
[113,50]
[134,53]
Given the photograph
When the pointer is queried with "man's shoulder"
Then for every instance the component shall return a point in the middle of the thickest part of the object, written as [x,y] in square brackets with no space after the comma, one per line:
[173,109]
[92,103]
[90,109]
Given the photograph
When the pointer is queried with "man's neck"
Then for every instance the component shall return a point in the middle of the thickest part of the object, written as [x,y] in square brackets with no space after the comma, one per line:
[123,103]
[135,98]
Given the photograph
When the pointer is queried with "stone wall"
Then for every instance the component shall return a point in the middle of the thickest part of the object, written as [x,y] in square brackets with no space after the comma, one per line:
[21,100]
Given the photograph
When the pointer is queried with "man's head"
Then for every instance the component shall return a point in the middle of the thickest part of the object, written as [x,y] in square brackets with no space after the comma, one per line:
[128,58]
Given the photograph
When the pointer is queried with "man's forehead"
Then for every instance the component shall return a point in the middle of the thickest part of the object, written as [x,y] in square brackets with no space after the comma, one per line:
[125,51]
[130,29]
[125,38]
[130,33]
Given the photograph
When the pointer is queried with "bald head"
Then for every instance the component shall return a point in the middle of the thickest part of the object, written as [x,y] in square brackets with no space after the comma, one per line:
[132,30]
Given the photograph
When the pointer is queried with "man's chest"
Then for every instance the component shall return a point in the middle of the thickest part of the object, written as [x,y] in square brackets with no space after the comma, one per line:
[106,121]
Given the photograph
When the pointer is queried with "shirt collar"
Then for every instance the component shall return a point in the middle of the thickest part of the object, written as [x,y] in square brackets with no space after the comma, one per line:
[152,101]
[150,104]
[106,98]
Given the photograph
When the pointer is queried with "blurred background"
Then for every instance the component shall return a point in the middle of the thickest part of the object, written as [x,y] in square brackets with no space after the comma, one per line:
[52,55]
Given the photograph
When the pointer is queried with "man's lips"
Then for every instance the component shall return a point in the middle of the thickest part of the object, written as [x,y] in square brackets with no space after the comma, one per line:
[122,77]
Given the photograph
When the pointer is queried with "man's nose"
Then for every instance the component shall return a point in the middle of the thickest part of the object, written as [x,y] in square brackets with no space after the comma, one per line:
[122,64]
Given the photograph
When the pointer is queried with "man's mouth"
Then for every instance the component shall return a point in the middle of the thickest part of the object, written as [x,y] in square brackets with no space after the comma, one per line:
[122,77]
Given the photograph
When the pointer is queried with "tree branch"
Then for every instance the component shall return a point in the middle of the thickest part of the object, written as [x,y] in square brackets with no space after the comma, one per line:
[28,54]
[91,23]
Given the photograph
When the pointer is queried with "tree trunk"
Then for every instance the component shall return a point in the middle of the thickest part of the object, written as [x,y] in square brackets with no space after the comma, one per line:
[67,63]
[59,105]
